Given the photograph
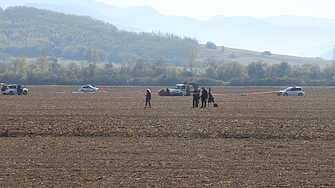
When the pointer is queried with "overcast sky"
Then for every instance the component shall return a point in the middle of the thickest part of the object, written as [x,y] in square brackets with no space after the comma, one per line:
[205,9]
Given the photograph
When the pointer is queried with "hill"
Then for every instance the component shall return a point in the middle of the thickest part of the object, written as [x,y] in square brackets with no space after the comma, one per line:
[281,35]
[246,56]
[26,31]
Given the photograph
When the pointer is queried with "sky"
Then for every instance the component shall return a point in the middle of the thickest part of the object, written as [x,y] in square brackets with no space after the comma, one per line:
[206,9]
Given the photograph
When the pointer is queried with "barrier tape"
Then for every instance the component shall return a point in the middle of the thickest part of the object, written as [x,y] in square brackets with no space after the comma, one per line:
[140,92]
[244,94]
[78,92]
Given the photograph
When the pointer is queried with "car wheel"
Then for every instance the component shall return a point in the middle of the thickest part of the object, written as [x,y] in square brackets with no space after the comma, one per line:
[11,93]
[25,93]
[300,94]
[285,94]
[81,90]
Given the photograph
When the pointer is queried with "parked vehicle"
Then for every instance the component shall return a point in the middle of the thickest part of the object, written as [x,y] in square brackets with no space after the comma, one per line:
[11,89]
[163,92]
[88,88]
[183,89]
[292,91]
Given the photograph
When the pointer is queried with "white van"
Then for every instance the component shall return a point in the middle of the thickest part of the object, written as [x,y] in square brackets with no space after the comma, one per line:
[182,89]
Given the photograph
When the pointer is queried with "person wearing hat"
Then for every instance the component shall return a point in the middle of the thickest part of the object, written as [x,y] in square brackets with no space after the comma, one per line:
[148,98]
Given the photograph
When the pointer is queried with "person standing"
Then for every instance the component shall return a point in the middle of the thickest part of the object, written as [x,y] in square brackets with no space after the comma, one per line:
[18,88]
[210,97]
[148,98]
[195,98]
[204,97]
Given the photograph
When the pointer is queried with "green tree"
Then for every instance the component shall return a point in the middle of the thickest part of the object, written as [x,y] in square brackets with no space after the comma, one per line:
[297,72]
[211,45]
[191,56]
[73,68]
[88,54]
[222,49]
[257,69]
[211,61]
[210,65]
[20,66]
[140,68]
[96,58]
[313,71]
[55,67]
[284,69]
[160,61]
[232,55]
[42,64]
[328,72]
[231,70]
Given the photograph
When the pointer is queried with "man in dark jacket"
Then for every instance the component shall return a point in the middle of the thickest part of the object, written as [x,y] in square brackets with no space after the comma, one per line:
[18,88]
[204,97]
[195,98]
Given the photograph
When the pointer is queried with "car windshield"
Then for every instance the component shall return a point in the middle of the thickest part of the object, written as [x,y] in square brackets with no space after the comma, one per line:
[287,89]
[176,87]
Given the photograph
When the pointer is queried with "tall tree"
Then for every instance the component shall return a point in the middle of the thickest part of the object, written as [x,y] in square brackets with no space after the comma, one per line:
[192,55]
[160,61]
[211,61]
[88,54]
[284,69]
[257,69]
[222,49]
[42,62]
[211,65]
[20,66]
[232,69]
[96,58]
[140,67]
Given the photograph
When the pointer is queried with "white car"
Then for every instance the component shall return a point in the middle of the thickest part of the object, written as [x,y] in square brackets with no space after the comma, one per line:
[88,88]
[292,91]
[181,89]
[11,89]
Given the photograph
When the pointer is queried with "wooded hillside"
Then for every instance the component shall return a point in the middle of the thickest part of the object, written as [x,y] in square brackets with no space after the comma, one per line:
[26,31]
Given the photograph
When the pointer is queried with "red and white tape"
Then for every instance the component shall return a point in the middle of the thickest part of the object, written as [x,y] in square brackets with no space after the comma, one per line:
[256,93]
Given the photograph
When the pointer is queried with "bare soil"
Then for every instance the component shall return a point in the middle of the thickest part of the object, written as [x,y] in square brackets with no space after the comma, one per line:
[55,138]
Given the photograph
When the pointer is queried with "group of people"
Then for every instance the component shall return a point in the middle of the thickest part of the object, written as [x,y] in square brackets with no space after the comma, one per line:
[196,96]
[204,96]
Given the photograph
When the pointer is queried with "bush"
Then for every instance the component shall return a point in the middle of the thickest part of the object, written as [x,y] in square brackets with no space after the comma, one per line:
[211,45]
[266,53]
[232,55]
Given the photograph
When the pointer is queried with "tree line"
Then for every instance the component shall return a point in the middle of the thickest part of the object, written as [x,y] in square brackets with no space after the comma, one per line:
[162,72]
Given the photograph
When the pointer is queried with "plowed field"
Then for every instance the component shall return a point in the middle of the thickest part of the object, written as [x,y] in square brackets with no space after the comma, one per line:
[55,138]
